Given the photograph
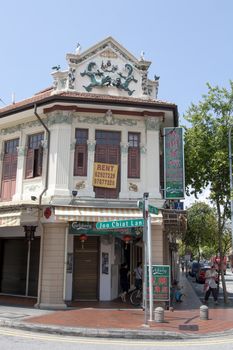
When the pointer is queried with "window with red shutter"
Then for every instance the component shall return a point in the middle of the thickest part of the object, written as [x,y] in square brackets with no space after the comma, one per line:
[80,155]
[34,156]
[9,169]
[134,155]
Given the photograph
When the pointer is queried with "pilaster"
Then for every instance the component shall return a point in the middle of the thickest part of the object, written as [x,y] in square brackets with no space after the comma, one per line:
[124,193]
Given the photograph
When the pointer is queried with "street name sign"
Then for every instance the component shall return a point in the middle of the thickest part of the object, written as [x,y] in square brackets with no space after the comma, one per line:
[151,208]
[116,224]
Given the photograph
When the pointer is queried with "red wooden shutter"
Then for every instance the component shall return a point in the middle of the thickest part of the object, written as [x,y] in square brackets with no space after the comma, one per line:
[29,164]
[6,178]
[134,162]
[80,160]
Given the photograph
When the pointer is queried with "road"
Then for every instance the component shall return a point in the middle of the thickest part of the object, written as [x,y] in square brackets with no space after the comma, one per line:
[11,339]
[229,285]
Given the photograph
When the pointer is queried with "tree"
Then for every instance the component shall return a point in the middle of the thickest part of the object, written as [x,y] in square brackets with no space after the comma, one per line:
[201,229]
[206,153]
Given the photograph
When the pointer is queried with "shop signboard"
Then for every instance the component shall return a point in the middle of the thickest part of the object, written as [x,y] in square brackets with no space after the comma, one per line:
[160,282]
[173,163]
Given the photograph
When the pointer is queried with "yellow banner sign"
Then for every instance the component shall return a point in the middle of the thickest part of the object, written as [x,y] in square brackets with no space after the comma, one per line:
[105,175]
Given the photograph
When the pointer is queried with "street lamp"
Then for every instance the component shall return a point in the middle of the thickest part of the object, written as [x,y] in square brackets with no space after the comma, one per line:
[231,183]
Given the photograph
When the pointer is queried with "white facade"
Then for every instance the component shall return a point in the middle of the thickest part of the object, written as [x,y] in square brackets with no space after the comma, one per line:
[104,88]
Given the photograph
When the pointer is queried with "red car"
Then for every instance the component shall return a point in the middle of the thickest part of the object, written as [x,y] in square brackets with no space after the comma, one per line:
[200,275]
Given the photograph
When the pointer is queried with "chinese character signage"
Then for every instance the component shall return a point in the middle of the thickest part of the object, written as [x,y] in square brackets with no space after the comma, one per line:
[105,175]
[160,282]
[173,163]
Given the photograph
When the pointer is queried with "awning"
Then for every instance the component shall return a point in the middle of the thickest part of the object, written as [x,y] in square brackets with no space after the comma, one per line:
[10,218]
[98,214]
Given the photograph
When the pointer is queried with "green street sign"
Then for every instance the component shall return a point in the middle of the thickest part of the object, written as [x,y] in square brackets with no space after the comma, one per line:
[117,224]
[151,208]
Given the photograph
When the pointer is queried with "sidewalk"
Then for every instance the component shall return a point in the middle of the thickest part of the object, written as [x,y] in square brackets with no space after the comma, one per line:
[123,322]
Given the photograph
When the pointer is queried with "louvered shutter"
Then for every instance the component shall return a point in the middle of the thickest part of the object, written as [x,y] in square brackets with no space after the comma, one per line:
[80,160]
[39,161]
[29,164]
[6,178]
[134,162]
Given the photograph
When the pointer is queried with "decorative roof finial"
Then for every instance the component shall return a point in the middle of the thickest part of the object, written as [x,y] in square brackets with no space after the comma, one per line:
[142,56]
[78,49]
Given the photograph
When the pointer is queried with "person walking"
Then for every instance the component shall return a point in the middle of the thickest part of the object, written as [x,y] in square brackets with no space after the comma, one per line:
[124,281]
[210,285]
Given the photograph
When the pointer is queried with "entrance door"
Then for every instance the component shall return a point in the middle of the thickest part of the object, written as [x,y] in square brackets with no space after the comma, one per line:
[108,151]
[86,269]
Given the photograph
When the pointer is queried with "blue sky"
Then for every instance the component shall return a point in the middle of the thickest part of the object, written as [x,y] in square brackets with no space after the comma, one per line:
[189,42]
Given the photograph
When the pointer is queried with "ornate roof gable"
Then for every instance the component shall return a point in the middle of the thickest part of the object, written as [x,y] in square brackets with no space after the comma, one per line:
[106,68]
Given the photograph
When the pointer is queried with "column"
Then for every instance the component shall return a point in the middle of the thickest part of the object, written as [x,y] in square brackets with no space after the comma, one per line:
[20,173]
[153,159]
[90,166]
[124,193]
[52,267]
[59,158]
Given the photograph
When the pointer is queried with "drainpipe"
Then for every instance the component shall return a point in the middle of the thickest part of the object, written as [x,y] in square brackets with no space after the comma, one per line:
[39,209]
[48,151]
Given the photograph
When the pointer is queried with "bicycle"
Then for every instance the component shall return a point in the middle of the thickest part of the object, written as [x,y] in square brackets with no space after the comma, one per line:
[136,297]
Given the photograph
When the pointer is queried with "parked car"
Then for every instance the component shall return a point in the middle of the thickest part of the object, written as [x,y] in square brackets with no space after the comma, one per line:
[200,275]
[193,268]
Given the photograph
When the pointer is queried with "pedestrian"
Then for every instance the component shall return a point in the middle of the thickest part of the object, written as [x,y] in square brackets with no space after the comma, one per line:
[138,275]
[210,286]
[124,272]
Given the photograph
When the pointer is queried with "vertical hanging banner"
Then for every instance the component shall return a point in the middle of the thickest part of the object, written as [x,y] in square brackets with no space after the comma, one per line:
[173,163]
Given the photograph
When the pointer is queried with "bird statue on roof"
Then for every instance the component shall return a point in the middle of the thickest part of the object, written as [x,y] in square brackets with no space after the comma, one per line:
[78,49]
[156,77]
[142,56]
[56,67]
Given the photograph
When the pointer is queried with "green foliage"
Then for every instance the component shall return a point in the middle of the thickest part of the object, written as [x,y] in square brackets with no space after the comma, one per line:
[206,155]
[202,228]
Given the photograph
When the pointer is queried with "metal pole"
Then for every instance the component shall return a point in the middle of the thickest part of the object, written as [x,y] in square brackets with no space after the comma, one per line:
[231,184]
[150,268]
[145,215]
[28,266]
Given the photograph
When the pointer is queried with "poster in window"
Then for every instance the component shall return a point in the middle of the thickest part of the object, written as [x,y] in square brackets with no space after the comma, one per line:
[105,263]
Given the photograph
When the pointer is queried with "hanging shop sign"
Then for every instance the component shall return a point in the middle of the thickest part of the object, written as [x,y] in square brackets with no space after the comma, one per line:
[105,175]
[173,163]
[160,282]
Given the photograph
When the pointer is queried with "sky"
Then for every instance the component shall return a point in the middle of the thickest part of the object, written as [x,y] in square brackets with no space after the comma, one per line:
[189,42]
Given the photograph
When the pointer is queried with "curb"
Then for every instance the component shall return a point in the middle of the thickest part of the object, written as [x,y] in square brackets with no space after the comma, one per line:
[114,333]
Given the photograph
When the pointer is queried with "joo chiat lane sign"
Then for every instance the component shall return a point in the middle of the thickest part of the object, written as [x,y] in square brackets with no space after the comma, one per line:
[106,225]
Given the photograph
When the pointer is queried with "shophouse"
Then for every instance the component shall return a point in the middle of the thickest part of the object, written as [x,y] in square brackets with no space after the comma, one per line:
[79,153]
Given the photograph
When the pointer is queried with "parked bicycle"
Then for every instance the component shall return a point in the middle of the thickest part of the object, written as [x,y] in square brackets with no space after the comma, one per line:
[136,297]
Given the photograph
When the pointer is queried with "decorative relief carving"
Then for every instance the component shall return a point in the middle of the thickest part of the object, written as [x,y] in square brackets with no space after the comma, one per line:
[21,151]
[124,147]
[106,120]
[59,118]
[80,185]
[143,149]
[71,77]
[91,145]
[133,187]
[108,53]
[20,127]
[107,75]
[152,123]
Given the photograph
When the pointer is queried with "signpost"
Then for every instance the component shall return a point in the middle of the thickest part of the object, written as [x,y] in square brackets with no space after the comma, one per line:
[118,224]
[151,208]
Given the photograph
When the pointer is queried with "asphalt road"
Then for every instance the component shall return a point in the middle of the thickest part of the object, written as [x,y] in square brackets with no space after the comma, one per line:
[11,339]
